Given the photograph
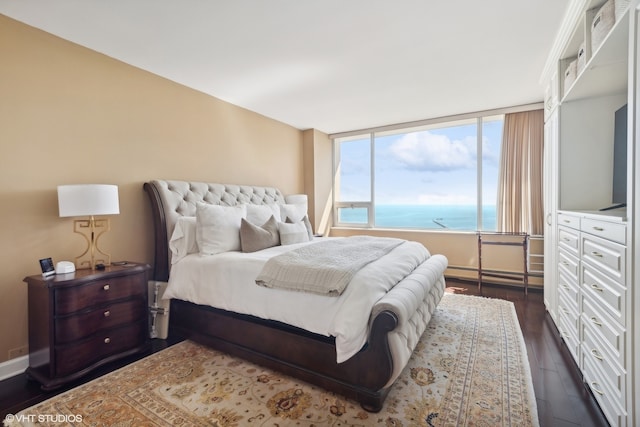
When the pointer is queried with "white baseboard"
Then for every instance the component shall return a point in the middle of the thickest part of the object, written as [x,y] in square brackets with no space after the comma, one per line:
[13,367]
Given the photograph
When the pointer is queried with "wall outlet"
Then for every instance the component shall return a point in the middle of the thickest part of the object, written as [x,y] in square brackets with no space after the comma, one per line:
[18,352]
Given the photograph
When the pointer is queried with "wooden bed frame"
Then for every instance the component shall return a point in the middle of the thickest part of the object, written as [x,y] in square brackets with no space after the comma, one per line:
[290,350]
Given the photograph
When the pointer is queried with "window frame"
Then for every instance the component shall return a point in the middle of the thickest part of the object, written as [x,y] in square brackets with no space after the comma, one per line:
[338,138]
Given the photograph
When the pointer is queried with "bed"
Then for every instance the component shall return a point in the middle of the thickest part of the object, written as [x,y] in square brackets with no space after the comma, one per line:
[362,368]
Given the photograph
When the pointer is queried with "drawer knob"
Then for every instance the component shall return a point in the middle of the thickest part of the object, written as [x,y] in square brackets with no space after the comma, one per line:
[596,354]
[107,313]
[597,288]
[597,254]
[106,287]
[595,321]
[596,387]
[598,228]
[107,340]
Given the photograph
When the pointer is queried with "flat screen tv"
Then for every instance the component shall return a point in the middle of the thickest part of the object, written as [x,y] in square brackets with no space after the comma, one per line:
[619,190]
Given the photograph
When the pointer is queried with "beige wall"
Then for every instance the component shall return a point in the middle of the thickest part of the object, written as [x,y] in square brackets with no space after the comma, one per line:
[69,115]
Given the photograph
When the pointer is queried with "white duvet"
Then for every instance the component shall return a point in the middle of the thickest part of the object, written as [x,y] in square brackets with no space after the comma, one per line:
[227,281]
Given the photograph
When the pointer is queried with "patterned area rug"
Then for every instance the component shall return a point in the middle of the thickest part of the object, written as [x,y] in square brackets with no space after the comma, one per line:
[470,368]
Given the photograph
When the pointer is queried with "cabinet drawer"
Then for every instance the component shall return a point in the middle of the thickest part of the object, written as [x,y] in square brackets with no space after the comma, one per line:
[607,370]
[568,264]
[569,333]
[607,230]
[75,298]
[569,239]
[83,324]
[608,295]
[606,256]
[608,333]
[603,394]
[569,290]
[569,220]
[75,357]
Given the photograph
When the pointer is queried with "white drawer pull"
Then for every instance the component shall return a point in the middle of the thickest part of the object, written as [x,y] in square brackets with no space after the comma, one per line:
[598,228]
[595,387]
[595,321]
[597,288]
[106,287]
[107,313]
[597,254]
[596,354]
[107,340]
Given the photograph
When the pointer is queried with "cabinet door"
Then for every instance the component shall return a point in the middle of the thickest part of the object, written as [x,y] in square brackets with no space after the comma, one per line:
[551,134]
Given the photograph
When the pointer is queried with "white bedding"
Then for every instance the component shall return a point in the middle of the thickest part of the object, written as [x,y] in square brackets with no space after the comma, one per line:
[227,281]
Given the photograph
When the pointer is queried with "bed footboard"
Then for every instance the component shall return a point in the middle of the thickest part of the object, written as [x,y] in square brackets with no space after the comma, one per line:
[293,351]
[412,301]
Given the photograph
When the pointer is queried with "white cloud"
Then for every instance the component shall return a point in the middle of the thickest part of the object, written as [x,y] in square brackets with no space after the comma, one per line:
[427,151]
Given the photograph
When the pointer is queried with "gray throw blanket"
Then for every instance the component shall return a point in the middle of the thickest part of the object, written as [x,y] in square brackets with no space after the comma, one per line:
[326,267]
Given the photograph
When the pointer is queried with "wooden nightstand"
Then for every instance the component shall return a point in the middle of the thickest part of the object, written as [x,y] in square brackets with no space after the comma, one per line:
[80,321]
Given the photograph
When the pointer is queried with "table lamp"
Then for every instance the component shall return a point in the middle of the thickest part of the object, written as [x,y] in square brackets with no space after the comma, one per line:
[89,200]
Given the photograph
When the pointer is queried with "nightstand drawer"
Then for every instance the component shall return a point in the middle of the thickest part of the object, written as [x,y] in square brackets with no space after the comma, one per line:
[81,325]
[72,299]
[73,358]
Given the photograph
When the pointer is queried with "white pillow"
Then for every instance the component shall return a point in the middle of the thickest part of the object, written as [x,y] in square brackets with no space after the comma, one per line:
[291,233]
[294,213]
[218,227]
[183,240]
[259,214]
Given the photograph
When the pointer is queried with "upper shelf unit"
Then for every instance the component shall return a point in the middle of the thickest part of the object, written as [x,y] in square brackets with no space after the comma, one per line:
[604,69]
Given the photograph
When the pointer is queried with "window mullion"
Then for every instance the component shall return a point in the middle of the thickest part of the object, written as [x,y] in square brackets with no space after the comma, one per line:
[479,174]
[372,152]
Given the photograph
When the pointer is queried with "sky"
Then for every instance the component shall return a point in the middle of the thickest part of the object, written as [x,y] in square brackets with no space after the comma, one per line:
[434,166]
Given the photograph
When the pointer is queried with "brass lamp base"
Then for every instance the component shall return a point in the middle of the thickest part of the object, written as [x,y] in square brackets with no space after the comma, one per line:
[91,229]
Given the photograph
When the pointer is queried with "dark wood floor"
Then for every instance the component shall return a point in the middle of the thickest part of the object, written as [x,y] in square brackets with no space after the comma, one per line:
[561,396]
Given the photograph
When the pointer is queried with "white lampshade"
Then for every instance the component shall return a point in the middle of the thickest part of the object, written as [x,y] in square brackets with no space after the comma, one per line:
[88,200]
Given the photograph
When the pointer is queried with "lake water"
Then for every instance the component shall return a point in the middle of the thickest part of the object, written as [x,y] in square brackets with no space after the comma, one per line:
[453,217]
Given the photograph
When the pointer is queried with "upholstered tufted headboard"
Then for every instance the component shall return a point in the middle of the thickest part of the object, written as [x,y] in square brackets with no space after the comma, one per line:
[171,200]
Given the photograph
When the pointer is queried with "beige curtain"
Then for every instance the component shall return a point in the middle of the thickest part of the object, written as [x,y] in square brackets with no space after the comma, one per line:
[520,199]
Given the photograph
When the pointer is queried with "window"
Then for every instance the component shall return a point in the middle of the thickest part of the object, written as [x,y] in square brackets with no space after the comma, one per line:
[434,176]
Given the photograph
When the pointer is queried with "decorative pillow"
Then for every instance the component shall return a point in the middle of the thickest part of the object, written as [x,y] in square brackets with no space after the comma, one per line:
[254,237]
[293,212]
[293,232]
[218,227]
[307,225]
[259,214]
[183,240]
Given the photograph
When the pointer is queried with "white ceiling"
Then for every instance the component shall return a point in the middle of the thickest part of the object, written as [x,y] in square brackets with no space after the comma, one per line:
[332,65]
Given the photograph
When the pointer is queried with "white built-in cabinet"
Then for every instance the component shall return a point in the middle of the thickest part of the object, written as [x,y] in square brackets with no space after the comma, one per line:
[592,267]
